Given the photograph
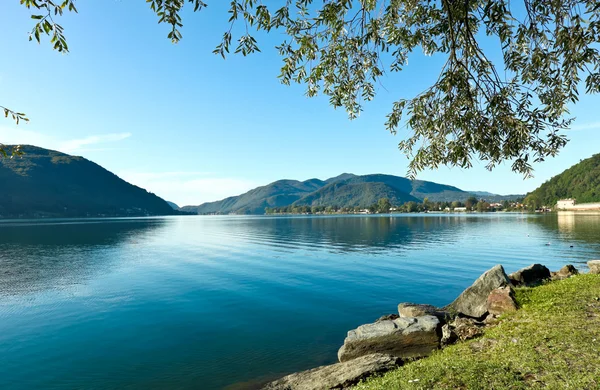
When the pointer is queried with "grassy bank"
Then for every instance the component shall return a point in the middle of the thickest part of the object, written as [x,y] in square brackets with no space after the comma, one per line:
[552,342]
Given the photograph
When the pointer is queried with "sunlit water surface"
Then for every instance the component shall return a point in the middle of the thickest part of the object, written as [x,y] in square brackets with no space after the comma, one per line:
[230,302]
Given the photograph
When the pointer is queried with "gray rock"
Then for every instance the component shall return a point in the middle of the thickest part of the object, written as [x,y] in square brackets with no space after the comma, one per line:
[501,300]
[448,335]
[530,276]
[387,317]
[565,272]
[402,337]
[490,319]
[594,266]
[418,310]
[337,376]
[473,301]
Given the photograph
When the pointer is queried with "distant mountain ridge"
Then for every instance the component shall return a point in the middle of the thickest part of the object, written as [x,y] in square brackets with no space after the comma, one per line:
[495,197]
[47,183]
[173,205]
[345,190]
[580,182]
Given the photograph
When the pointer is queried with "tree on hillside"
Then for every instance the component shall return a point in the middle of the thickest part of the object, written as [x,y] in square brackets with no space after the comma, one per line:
[533,201]
[456,204]
[494,108]
[483,206]
[470,202]
[384,205]
[427,205]
[581,182]
[412,207]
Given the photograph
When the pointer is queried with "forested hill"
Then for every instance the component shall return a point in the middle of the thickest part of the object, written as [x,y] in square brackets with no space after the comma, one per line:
[581,182]
[345,190]
[46,183]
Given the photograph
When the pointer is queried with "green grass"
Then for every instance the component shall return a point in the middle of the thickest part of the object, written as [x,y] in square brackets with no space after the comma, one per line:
[552,342]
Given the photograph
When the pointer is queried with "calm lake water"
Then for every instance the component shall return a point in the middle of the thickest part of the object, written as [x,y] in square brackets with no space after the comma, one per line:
[229,302]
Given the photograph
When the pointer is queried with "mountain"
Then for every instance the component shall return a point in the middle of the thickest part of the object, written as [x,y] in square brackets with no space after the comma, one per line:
[489,197]
[581,182]
[345,190]
[173,205]
[354,194]
[343,176]
[277,194]
[46,183]
[368,189]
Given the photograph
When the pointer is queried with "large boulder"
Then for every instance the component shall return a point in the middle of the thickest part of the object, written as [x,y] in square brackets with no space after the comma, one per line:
[501,300]
[402,337]
[418,310]
[565,272]
[337,376]
[594,266]
[473,301]
[530,276]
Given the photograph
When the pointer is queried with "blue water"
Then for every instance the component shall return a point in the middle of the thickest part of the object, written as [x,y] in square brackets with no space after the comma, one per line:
[230,302]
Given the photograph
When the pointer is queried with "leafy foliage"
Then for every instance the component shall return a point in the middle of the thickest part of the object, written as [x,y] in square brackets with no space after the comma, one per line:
[48,183]
[495,110]
[45,21]
[44,25]
[581,181]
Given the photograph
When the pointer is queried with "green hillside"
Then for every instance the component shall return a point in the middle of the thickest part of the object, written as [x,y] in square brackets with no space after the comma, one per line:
[417,188]
[345,190]
[345,194]
[277,194]
[46,183]
[581,182]
[174,206]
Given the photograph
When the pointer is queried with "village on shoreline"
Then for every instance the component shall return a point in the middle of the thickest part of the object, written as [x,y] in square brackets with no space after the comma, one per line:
[471,205]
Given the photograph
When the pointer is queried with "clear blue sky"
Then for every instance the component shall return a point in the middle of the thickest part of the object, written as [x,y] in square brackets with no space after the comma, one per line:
[191,127]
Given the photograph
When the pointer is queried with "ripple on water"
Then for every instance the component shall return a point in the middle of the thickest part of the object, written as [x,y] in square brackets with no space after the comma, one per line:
[213,302]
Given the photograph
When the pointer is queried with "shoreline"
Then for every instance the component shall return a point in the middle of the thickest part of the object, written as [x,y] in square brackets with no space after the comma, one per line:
[421,332]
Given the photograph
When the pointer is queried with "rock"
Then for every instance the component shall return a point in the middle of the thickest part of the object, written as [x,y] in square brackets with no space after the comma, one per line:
[501,300]
[594,266]
[466,328]
[473,301]
[568,270]
[448,335]
[403,337]
[387,317]
[490,320]
[530,276]
[418,310]
[337,376]
[565,272]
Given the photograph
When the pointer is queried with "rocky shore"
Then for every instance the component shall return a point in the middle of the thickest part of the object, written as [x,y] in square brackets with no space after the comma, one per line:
[418,330]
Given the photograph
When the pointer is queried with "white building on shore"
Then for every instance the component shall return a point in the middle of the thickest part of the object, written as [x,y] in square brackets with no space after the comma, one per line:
[565,204]
[571,205]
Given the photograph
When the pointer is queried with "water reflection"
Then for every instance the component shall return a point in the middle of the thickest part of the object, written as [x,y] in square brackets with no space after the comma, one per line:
[347,233]
[208,302]
[55,254]
[576,227]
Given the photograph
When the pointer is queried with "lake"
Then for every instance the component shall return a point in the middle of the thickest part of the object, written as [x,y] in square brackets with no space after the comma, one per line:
[230,302]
